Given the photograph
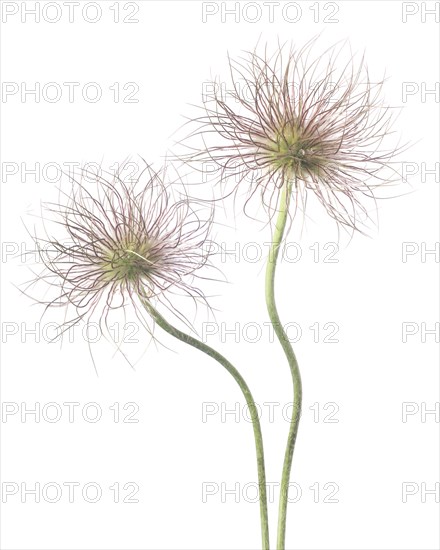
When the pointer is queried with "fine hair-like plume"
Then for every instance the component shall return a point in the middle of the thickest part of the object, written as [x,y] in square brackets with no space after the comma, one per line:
[316,122]
[120,244]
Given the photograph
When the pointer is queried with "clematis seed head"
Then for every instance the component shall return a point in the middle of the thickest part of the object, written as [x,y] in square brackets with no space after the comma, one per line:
[315,122]
[109,245]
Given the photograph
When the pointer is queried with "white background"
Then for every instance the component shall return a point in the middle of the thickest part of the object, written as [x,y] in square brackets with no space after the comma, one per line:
[369,292]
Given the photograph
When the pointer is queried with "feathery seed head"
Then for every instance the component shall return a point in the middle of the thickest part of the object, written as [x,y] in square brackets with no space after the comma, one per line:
[124,244]
[315,122]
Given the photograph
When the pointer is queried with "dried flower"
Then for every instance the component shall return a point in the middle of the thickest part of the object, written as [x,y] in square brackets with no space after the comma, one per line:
[134,248]
[125,244]
[317,124]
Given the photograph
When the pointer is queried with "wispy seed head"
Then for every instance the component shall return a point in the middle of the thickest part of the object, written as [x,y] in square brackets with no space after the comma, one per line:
[114,245]
[316,122]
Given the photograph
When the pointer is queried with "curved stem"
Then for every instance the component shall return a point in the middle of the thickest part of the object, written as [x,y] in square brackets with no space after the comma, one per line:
[187,339]
[291,358]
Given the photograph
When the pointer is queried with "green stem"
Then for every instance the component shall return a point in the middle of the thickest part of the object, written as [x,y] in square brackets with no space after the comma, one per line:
[249,400]
[293,364]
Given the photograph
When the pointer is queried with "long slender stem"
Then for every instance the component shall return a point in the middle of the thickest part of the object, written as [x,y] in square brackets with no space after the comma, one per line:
[291,358]
[186,338]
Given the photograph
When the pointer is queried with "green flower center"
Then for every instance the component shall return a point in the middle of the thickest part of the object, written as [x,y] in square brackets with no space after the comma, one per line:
[130,262]
[295,153]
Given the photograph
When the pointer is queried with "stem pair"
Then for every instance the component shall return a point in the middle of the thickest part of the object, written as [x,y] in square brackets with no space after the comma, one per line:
[296,379]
